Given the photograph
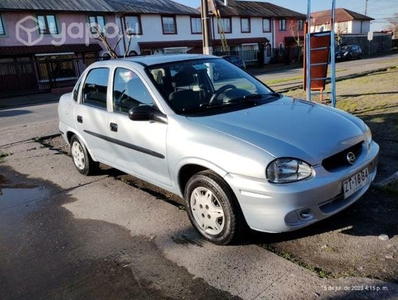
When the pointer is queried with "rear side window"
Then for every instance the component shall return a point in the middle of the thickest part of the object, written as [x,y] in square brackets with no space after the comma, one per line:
[76,89]
[95,87]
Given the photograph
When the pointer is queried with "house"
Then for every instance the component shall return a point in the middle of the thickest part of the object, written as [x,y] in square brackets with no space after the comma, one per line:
[346,21]
[252,28]
[352,28]
[47,44]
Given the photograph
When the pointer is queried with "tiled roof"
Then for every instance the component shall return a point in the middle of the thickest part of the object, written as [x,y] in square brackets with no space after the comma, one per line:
[256,9]
[198,43]
[341,15]
[27,50]
[152,7]
[130,6]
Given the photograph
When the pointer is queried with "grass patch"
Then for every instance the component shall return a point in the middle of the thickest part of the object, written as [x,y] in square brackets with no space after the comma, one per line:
[2,156]
[391,188]
[318,270]
[348,106]
[282,80]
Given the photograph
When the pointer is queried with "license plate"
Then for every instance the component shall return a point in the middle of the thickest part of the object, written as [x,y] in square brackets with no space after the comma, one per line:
[355,182]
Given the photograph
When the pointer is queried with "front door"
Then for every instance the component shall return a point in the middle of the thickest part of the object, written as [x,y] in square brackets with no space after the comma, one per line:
[139,146]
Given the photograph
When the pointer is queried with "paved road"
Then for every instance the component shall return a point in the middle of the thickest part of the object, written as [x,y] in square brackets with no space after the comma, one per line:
[27,122]
[70,236]
[63,235]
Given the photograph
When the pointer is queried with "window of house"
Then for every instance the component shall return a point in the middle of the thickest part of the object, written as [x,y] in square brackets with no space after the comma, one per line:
[47,24]
[196,25]
[132,24]
[129,91]
[97,23]
[282,25]
[226,25]
[2,30]
[266,25]
[245,25]
[169,25]
[95,88]
[300,25]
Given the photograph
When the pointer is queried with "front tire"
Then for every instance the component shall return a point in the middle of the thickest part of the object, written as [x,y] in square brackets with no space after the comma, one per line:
[212,208]
[81,158]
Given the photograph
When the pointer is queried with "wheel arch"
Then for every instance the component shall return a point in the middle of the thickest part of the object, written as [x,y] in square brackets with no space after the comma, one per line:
[230,200]
[70,134]
[189,168]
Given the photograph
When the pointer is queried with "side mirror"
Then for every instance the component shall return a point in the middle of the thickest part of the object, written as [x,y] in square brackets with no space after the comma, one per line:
[146,113]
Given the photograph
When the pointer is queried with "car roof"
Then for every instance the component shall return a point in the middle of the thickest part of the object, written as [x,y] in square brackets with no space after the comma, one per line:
[164,58]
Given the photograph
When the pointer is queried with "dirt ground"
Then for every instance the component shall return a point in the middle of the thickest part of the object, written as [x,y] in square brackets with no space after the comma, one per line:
[361,241]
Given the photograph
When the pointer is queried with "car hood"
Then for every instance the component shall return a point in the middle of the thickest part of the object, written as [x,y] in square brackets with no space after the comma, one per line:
[290,127]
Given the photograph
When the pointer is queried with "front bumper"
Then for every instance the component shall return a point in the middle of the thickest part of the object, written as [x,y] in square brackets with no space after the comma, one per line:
[275,208]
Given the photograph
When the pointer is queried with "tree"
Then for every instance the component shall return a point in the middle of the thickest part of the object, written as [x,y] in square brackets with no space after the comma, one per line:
[339,35]
[295,32]
[393,26]
[101,35]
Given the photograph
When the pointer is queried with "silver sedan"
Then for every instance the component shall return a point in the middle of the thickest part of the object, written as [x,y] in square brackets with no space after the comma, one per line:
[240,154]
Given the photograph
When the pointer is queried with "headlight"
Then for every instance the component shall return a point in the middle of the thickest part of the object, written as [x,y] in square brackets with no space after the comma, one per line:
[284,170]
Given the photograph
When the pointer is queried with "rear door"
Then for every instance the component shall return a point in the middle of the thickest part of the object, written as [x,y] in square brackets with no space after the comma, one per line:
[91,114]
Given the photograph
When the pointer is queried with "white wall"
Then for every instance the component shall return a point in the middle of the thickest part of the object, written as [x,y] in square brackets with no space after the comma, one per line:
[360,26]
[256,29]
[355,26]
[152,31]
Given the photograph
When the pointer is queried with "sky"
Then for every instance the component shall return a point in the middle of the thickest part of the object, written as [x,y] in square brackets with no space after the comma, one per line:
[376,9]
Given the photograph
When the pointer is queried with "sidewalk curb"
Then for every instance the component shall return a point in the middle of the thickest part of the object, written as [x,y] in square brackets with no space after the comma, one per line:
[26,100]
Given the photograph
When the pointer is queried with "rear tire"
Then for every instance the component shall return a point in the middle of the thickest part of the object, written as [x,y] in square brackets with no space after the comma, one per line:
[212,208]
[81,158]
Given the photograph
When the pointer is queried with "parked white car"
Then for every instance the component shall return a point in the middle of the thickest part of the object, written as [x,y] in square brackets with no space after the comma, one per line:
[236,151]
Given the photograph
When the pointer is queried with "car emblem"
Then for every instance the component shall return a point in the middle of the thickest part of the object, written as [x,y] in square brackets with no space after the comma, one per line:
[350,158]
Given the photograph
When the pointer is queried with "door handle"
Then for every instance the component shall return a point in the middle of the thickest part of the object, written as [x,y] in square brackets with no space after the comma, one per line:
[80,119]
[113,127]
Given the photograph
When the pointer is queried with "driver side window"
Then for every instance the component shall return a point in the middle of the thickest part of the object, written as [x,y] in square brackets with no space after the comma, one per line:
[129,91]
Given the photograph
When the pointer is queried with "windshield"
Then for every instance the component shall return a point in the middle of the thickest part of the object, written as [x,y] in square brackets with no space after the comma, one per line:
[204,85]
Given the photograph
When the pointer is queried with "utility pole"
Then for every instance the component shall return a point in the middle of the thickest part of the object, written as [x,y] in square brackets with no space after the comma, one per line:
[207,48]
[366,7]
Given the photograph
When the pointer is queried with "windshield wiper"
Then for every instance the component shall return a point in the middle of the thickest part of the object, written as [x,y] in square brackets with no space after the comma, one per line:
[273,95]
[251,99]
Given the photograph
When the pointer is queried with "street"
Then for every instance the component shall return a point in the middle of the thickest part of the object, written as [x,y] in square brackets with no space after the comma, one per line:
[24,123]
[97,227]
[67,236]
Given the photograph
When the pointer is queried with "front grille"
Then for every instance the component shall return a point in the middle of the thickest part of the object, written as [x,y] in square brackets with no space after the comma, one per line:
[340,159]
